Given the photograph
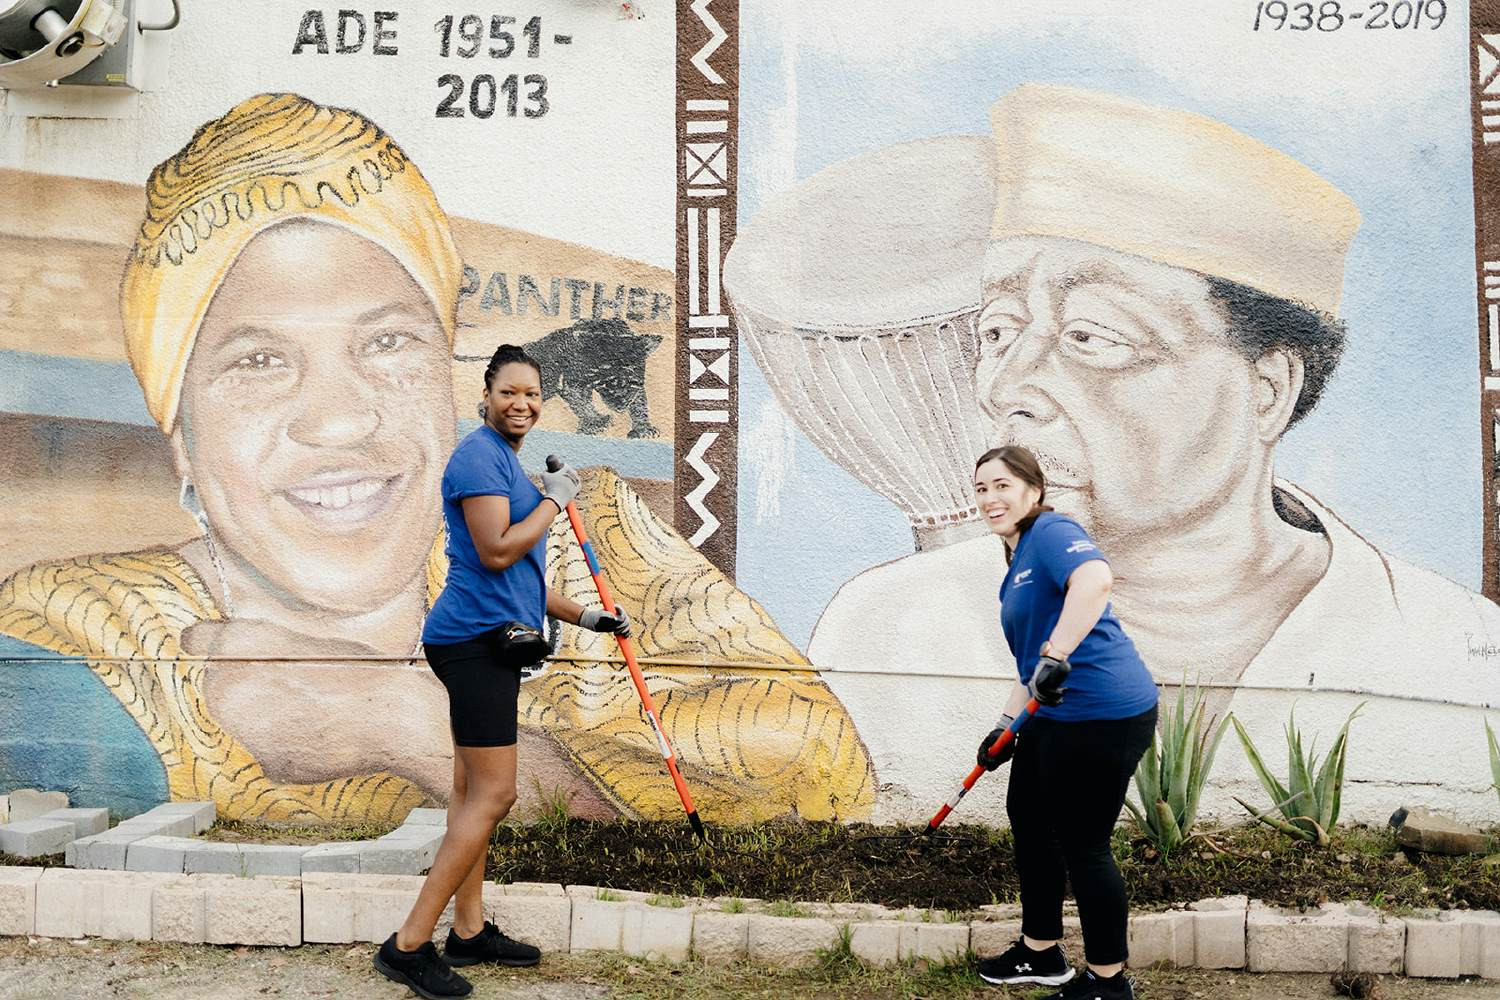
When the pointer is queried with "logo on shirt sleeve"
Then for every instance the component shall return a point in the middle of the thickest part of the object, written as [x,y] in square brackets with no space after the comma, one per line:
[1082,545]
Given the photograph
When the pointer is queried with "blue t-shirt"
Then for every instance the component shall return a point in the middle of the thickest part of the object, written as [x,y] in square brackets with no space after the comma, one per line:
[475,599]
[1109,680]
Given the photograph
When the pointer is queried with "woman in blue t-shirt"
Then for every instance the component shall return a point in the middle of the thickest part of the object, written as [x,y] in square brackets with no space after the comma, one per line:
[1072,761]
[484,627]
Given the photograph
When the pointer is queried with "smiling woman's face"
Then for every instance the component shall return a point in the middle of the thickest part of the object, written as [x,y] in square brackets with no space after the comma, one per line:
[316,414]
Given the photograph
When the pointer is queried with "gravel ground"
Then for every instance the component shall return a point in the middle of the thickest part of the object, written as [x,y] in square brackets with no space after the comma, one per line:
[44,969]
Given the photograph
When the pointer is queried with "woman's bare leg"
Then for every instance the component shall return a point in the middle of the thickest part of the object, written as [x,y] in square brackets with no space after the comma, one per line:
[490,791]
[468,905]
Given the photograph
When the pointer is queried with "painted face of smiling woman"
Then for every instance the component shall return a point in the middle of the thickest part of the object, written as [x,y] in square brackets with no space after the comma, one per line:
[316,415]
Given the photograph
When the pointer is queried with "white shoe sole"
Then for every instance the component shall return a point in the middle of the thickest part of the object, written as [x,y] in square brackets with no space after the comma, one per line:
[1038,980]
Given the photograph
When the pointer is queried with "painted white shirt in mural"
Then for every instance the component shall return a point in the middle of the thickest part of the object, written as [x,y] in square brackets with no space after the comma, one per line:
[913,648]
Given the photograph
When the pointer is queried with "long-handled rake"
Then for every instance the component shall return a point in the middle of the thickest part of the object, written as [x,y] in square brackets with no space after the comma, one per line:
[628,651]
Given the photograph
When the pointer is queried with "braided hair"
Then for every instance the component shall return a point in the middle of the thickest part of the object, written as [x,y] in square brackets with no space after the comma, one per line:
[507,354]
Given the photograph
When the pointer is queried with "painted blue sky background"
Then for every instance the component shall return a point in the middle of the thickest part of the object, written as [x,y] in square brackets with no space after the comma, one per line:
[1394,446]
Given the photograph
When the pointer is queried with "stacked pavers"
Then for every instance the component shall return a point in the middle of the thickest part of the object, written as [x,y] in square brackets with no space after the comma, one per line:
[338,908]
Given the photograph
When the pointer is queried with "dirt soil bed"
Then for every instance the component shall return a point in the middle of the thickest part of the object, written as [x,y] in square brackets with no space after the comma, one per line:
[969,866]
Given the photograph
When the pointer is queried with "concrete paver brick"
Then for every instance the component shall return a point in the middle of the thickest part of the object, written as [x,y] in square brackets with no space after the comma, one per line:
[202,814]
[941,943]
[1377,942]
[18,899]
[1434,946]
[876,942]
[426,817]
[177,910]
[597,925]
[327,908]
[30,803]
[33,838]
[160,824]
[105,850]
[720,937]
[1163,939]
[1219,932]
[663,933]
[790,941]
[264,910]
[1280,940]
[86,822]
[158,854]
[405,851]
[991,937]
[338,856]
[533,889]
[543,921]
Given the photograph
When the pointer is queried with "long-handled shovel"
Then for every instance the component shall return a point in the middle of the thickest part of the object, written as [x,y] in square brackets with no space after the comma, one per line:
[627,650]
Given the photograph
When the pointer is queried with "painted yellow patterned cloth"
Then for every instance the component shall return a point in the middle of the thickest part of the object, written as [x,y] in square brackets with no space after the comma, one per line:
[774,743]
[752,744]
[137,606]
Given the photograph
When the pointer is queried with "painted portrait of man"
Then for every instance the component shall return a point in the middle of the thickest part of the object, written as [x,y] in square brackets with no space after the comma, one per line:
[1155,304]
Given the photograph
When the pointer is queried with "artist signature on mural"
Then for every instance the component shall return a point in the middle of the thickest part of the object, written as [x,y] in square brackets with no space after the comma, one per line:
[1480,650]
[1331,15]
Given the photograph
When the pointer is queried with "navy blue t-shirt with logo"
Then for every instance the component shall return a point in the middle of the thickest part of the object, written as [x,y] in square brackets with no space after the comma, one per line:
[475,598]
[1109,680]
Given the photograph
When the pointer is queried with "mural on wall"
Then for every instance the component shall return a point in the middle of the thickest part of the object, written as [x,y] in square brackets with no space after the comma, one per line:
[306,329]
[1223,286]
[1149,297]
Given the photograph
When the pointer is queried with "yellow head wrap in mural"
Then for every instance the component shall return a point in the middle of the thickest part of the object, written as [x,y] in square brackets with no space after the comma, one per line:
[270,159]
[1169,186]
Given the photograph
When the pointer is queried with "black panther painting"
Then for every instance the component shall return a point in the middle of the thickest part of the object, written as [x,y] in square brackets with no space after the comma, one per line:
[603,356]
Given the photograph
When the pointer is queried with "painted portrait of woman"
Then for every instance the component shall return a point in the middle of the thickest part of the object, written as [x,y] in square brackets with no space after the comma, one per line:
[289,309]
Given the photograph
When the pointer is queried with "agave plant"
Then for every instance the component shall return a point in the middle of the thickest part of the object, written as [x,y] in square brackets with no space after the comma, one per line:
[1170,777]
[1309,802]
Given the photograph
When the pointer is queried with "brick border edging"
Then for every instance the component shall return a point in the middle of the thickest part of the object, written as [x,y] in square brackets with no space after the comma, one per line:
[343,908]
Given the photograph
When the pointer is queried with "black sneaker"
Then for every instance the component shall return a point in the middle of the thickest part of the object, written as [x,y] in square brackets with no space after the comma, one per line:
[1019,964]
[1091,987]
[423,971]
[489,945]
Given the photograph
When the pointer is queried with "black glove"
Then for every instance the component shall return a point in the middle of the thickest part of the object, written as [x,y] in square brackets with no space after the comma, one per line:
[599,620]
[1006,753]
[1047,685]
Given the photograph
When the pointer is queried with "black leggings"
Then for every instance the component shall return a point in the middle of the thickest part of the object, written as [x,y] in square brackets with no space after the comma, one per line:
[1067,786]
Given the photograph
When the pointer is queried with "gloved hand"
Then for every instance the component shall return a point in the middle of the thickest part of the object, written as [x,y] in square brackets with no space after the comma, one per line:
[1006,753]
[599,620]
[561,485]
[1046,684]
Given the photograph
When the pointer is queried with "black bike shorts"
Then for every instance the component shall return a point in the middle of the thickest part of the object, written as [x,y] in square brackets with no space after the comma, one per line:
[482,689]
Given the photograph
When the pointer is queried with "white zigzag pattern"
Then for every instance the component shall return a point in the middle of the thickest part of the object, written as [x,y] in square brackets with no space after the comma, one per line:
[717,35]
[695,498]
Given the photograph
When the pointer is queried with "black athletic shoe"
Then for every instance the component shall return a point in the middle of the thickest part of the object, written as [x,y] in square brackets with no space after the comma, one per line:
[1019,964]
[423,971]
[489,945]
[1090,987]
